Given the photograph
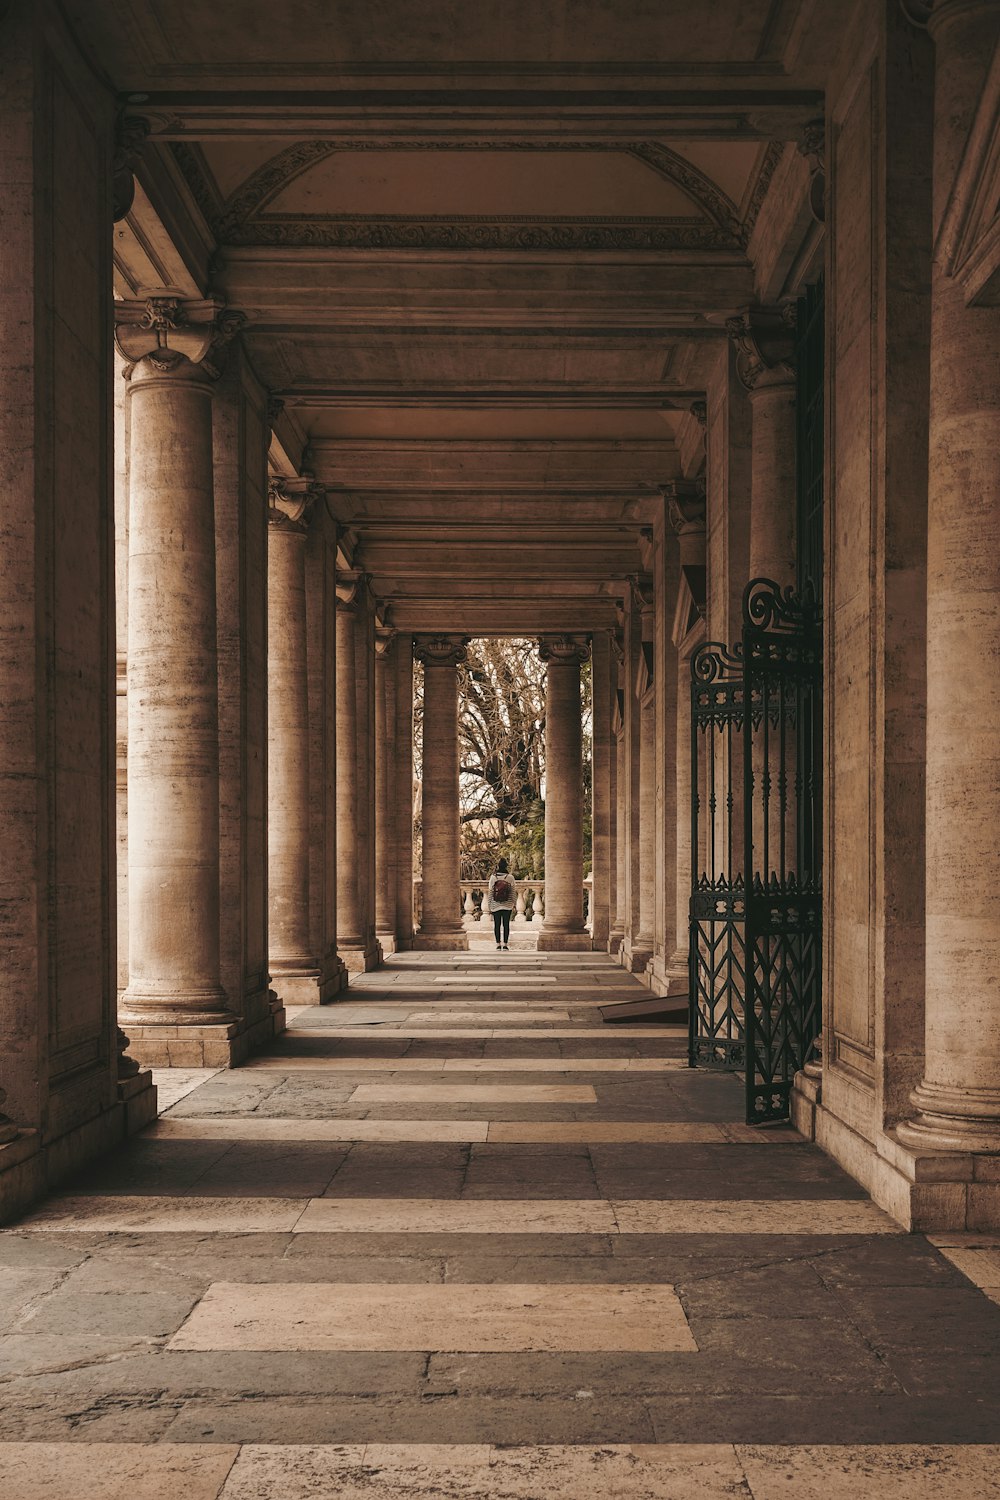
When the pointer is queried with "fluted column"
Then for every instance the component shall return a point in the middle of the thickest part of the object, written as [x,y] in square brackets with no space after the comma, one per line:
[294,969]
[385,790]
[958,1100]
[563,929]
[355,929]
[441,924]
[764,339]
[173,748]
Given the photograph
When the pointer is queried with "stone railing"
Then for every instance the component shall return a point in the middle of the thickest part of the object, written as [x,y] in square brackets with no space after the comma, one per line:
[529,907]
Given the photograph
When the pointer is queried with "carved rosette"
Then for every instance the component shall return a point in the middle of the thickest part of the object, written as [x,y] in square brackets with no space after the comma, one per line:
[290,503]
[566,649]
[440,650]
[765,342]
[168,330]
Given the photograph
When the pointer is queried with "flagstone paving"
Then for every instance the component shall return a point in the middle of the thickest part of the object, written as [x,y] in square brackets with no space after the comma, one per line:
[450,1238]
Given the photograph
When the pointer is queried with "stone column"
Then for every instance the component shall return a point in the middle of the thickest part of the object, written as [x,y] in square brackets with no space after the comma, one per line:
[764,339]
[173,748]
[403,771]
[563,929]
[602,761]
[355,933]
[958,1100]
[441,922]
[617,933]
[385,790]
[294,970]
[647,786]
[686,512]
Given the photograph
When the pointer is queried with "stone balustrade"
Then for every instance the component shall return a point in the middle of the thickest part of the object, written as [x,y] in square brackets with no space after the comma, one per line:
[529,907]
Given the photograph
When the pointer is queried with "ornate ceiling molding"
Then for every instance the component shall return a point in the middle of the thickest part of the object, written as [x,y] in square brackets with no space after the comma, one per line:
[242,219]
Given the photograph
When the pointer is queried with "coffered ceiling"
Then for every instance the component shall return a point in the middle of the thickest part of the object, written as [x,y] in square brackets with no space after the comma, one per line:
[485,252]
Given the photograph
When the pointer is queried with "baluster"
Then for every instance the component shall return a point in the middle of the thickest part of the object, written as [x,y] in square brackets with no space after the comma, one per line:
[519,906]
[468,905]
[540,900]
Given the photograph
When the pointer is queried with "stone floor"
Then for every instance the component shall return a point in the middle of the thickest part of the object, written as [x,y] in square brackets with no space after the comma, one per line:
[455,1238]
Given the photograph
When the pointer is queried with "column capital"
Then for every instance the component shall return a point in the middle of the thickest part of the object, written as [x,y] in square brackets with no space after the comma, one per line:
[384,637]
[166,328]
[617,645]
[937,15]
[812,145]
[699,410]
[643,591]
[565,649]
[290,503]
[685,504]
[353,586]
[440,650]
[765,343]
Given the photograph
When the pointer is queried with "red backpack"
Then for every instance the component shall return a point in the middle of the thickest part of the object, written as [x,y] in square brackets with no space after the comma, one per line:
[501,889]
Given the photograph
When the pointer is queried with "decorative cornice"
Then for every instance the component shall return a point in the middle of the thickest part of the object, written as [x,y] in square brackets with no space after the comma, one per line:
[765,341]
[171,328]
[242,219]
[565,650]
[290,503]
[131,132]
[768,167]
[440,650]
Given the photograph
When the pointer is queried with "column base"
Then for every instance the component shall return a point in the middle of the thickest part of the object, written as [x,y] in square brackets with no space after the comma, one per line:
[615,939]
[29,1169]
[564,942]
[359,958]
[922,1189]
[334,979]
[297,986]
[952,1120]
[157,1044]
[387,941]
[441,942]
[664,979]
[635,953]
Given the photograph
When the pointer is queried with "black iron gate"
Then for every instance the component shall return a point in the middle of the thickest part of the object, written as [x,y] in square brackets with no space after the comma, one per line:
[755,903]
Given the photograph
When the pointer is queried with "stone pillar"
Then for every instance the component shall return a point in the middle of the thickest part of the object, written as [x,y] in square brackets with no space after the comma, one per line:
[356,941]
[173,747]
[640,731]
[385,790]
[293,965]
[321,681]
[617,933]
[958,1100]
[647,788]
[686,513]
[403,771]
[602,762]
[764,339]
[563,929]
[441,921]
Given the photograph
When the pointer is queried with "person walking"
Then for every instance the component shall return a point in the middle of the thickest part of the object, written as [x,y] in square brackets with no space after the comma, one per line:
[500,898]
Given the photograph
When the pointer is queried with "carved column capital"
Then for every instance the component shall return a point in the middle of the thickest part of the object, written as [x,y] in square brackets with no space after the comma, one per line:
[384,637]
[812,145]
[167,329]
[564,648]
[440,650]
[765,342]
[685,504]
[353,587]
[699,410]
[290,503]
[643,591]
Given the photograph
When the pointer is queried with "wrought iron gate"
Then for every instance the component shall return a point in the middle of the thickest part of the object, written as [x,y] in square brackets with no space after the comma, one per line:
[755,904]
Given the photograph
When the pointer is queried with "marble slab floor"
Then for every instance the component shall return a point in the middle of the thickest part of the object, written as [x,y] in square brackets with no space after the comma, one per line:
[451,1237]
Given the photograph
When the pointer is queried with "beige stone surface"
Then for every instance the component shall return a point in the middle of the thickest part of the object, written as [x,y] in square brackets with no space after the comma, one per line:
[903,1470]
[474,1093]
[347,1064]
[465,1472]
[114,1471]
[166,1215]
[747,1216]
[328,1315]
[260,1128]
[454,1216]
